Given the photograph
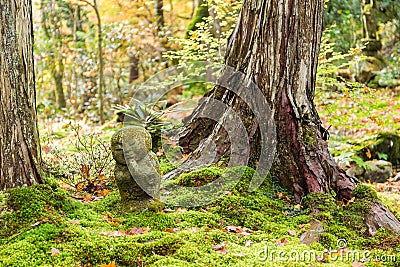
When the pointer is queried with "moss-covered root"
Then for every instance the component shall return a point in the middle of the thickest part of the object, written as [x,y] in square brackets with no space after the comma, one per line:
[367,207]
[378,216]
[381,217]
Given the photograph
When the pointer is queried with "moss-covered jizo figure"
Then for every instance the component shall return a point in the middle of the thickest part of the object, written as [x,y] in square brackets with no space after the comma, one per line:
[137,168]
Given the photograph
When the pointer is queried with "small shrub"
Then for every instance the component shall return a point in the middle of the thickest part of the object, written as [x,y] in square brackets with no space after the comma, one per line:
[87,168]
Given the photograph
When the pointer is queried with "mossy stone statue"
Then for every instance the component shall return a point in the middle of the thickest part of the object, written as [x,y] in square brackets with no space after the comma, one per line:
[136,169]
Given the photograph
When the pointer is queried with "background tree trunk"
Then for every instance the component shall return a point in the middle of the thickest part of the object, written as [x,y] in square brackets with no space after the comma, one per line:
[52,31]
[201,12]
[159,12]
[20,157]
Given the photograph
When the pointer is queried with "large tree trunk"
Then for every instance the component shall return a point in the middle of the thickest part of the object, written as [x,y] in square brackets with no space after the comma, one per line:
[276,44]
[20,157]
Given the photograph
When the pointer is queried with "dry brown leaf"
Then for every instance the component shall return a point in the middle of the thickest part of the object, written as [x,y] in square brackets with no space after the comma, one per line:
[111,264]
[138,231]
[357,264]
[172,230]
[118,233]
[54,252]
[292,232]
[75,221]
[368,154]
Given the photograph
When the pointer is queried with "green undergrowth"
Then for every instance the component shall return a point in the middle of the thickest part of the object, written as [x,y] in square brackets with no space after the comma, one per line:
[44,226]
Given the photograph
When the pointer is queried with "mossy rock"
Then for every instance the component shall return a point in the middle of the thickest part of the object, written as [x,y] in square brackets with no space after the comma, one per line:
[148,203]
[387,144]
[367,68]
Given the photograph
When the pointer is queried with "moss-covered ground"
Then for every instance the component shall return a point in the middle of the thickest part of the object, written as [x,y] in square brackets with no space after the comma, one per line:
[44,226]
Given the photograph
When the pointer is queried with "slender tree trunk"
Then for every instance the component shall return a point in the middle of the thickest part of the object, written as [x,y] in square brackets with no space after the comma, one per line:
[56,59]
[134,68]
[276,44]
[201,12]
[101,63]
[370,28]
[20,157]
[159,15]
[58,79]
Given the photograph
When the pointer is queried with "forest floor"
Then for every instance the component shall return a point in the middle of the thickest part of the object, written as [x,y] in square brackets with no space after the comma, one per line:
[66,224]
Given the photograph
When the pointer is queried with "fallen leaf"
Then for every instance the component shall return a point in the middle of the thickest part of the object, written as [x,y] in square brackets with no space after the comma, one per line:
[88,197]
[54,252]
[85,171]
[172,230]
[246,231]
[357,264]
[234,229]
[292,232]
[138,231]
[223,251]
[281,242]
[168,210]
[368,154]
[39,223]
[297,207]
[111,264]
[105,192]
[118,233]
[240,255]
[349,202]
[300,226]
[193,229]
[179,210]
[108,218]
[220,246]
[75,221]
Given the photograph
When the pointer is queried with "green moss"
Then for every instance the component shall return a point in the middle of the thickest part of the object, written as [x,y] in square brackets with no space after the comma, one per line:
[367,192]
[309,137]
[25,206]
[320,201]
[80,230]
[199,177]
[244,175]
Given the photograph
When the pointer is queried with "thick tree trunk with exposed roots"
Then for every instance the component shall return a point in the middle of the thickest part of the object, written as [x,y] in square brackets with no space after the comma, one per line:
[19,142]
[276,44]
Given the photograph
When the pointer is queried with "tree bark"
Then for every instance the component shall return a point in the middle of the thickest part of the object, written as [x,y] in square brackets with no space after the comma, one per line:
[276,43]
[20,156]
